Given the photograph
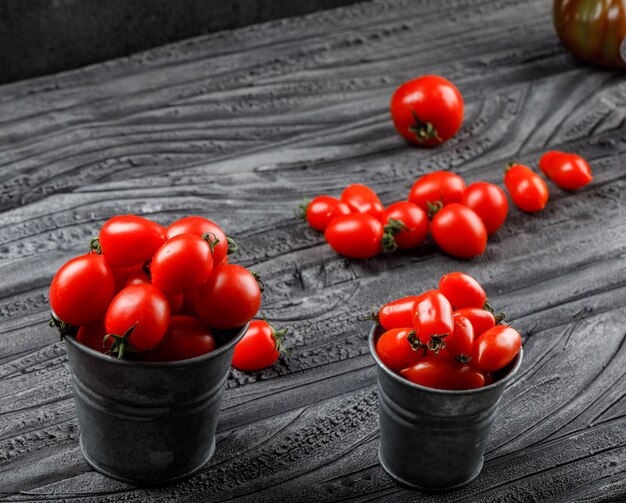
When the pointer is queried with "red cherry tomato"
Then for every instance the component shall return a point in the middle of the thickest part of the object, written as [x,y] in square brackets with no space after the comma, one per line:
[397,313]
[414,218]
[259,348]
[82,289]
[322,210]
[432,318]
[183,263]
[427,111]
[140,277]
[186,337]
[229,299]
[489,202]
[439,373]
[527,189]
[143,307]
[459,231]
[568,171]
[442,186]
[481,319]
[395,351]
[200,226]
[92,336]
[496,348]
[357,235]
[128,240]
[362,199]
[188,306]
[462,290]
[460,344]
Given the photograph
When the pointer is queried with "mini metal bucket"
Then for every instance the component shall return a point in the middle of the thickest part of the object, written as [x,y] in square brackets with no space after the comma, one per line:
[430,439]
[149,423]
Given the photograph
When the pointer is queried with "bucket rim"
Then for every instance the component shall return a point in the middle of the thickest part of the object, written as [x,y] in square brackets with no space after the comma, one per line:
[515,365]
[241,331]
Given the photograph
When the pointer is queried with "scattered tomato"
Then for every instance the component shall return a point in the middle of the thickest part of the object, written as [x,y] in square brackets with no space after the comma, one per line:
[415,221]
[362,199]
[462,290]
[322,210]
[443,186]
[489,202]
[259,348]
[395,350]
[459,231]
[527,189]
[568,171]
[496,348]
[357,235]
[427,111]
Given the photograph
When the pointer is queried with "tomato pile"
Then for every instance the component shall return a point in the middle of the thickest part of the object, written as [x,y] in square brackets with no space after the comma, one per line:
[448,338]
[158,293]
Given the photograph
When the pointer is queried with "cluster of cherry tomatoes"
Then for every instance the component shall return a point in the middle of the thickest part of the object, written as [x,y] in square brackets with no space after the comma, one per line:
[158,293]
[447,338]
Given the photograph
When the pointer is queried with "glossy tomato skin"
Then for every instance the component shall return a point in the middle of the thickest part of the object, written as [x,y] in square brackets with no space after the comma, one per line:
[200,226]
[568,171]
[397,313]
[443,186]
[144,307]
[496,348]
[489,202]
[229,299]
[462,290]
[128,240]
[92,336]
[432,316]
[361,199]
[481,319]
[527,189]
[429,99]
[258,348]
[439,373]
[414,218]
[357,235]
[459,231]
[139,277]
[322,210]
[186,337]
[183,263]
[82,289]
[395,351]
[459,344]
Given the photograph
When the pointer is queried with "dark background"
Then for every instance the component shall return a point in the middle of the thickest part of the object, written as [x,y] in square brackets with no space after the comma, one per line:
[38,37]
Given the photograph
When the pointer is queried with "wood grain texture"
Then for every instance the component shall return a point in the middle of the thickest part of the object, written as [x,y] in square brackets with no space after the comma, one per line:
[240,126]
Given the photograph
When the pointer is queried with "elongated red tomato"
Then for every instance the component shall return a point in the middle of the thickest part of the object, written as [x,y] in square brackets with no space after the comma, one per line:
[440,373]
[322,210]
[496,348]
[357,235]
[259,348]
[443,186]
[414,219]
[432,318]
[229,299]
[201,226]
[427,111]
[143,307]
[481,319]
[568,171]
[527,189]
[183,263]
[397,313]
[462,290]
[186,337]
[82,289]
[395,351]
[460,344]
[489,202]
[128,240]
[459,231]
[361,199]
[93,336]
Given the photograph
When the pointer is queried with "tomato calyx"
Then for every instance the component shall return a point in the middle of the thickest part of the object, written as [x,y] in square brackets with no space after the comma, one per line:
[257,276]
[373,316]
[423,131]
[464,359]
[499,318]
[94,246]
[233,247]
[212,239]
[120,342]
[302,207]
[278,334]
[509,165]
[414,341]
[393,227]
[62,327]
[433,208]
[437,342]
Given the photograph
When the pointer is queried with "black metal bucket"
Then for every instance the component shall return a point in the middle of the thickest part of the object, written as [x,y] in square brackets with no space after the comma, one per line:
[149,423]
[434,440]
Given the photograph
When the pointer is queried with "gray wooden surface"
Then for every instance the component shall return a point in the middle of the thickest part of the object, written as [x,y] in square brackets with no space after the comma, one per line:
[239,126]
